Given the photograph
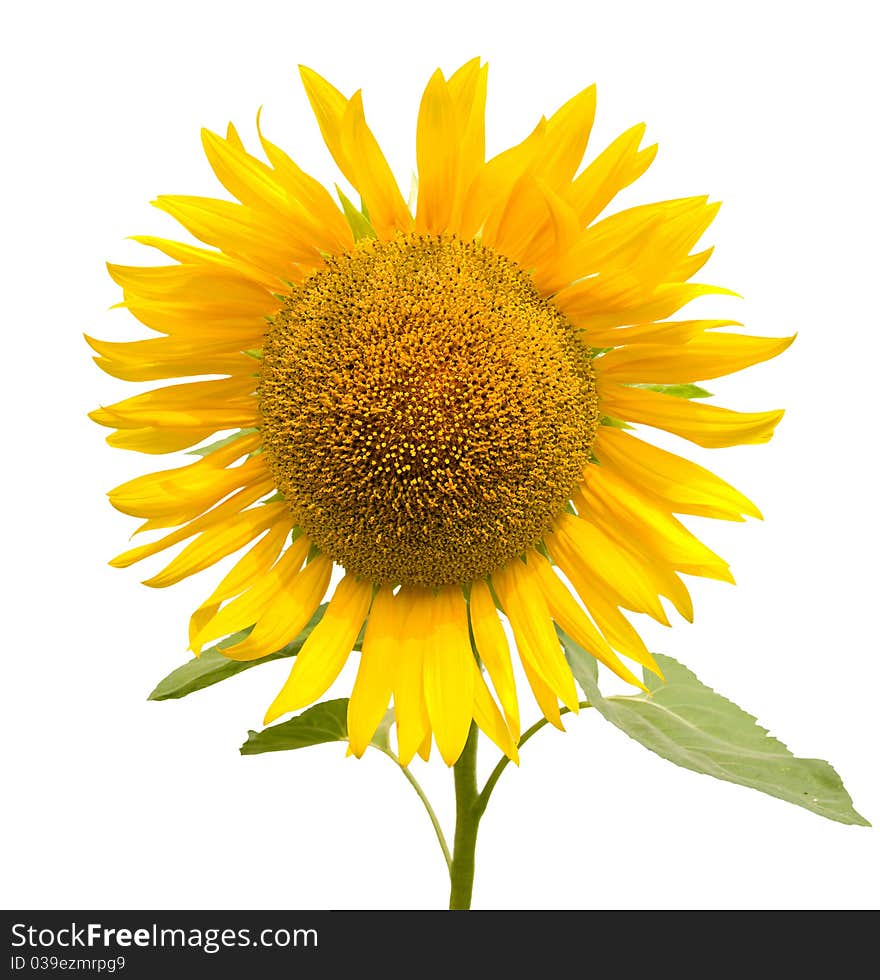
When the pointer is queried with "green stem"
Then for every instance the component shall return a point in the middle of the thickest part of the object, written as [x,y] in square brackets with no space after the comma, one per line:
[467,822]
[470,805]
[438,830]
[435,823]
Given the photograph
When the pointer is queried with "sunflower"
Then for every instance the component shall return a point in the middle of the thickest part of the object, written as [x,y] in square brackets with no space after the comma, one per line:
[440,400]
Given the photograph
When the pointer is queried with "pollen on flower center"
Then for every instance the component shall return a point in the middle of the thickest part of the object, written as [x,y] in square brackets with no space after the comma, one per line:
[425,411]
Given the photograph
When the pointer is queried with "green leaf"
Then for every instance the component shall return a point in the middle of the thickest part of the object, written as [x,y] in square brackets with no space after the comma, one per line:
[584,666]
[324,722]
[357,220]
[212,667]
[678,391]
[687,723]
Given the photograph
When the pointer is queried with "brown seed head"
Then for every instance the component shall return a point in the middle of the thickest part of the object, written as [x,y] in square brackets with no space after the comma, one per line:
[425,411]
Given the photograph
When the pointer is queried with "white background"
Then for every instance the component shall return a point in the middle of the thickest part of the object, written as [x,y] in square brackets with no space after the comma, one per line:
[113,802]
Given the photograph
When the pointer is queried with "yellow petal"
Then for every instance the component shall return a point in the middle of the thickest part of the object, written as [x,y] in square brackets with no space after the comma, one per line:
[615,168]
[686,487]
[642,520]
[243,175]
[490,189]
[536,639]
[546,699]
[577,570]
[623,636]
[640,247]
[250,567]
[225,404]
[375,181]
[566,612]
[244,232]
[232,136]
[690,265]
[375,678]
[425,747]
[467,87]
[548,156]
[328,105]
[598,304]
[209,258]
[189,490]
[247,608]
[671,332]
[449,673]
[491,643]
[196,320]
[533,227]
[562,231]
[706,425]
[308,214]
[488,717]
[331,231]
[437,138]
[707,356]
[210,546]
[413,726]
[659,575]
[260,558]
[168,357]
[325,651]
[287,614]
[150,439]
[217,515]
[568,131]
[355,150]
[217,290]
[617,575]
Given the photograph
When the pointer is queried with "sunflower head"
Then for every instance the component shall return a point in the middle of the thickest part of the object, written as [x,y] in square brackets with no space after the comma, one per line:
[425,411]
[439,403]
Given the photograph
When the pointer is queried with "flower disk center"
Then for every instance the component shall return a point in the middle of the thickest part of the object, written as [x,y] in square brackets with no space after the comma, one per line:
[425,411]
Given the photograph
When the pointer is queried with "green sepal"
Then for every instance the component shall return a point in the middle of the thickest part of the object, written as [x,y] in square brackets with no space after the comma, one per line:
[413,200]
[541,548]
[678,391]
[357,220]
[212,667]
[614,423]
[220,443]
[687,723]
[382,736]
